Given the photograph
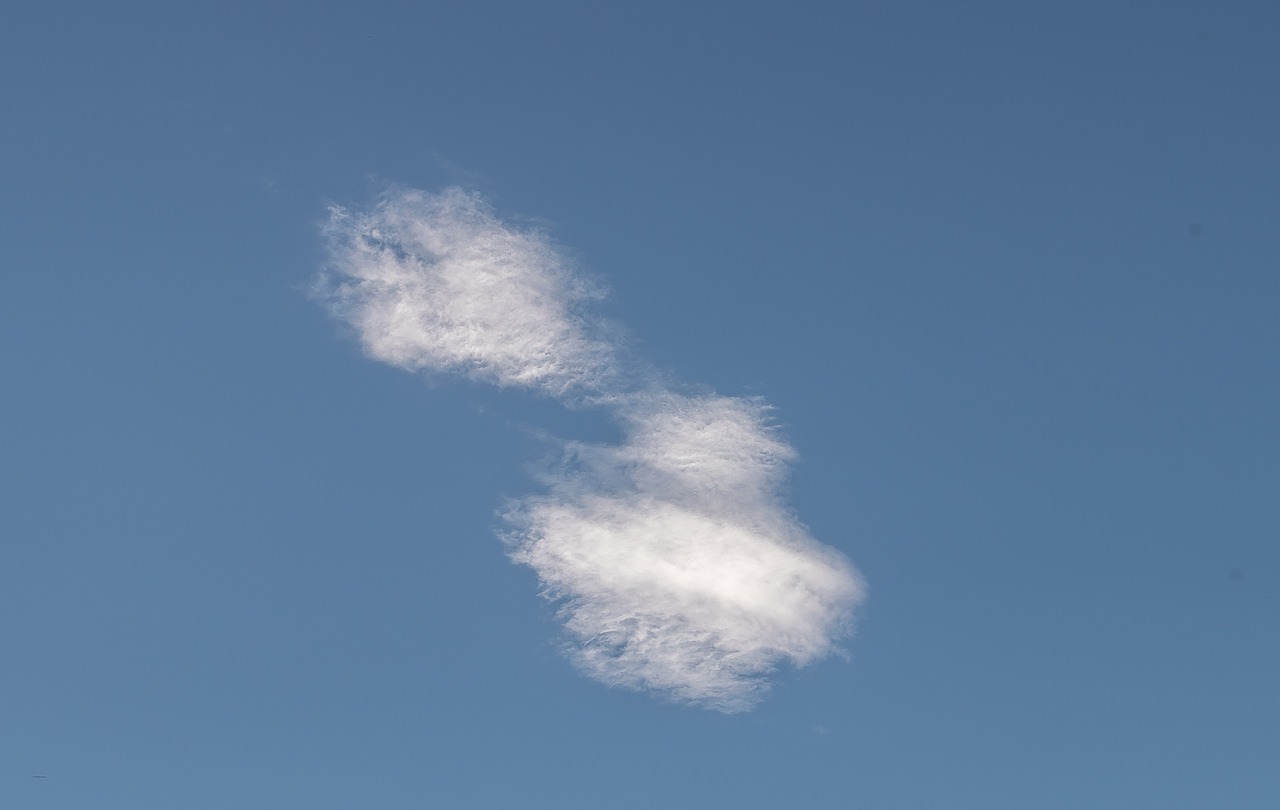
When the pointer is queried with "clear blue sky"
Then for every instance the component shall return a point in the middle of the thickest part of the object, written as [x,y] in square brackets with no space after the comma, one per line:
[1007,273]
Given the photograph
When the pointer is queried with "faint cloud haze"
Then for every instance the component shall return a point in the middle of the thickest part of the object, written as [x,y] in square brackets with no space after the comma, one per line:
[676,564]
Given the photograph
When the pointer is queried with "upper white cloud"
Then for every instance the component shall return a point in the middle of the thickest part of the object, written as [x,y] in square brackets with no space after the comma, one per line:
[436,281]
[677,566]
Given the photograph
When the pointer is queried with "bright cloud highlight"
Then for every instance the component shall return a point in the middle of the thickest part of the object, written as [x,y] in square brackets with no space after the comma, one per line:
[677,567]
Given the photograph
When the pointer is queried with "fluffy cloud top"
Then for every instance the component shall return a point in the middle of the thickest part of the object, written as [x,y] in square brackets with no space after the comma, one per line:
[677,566]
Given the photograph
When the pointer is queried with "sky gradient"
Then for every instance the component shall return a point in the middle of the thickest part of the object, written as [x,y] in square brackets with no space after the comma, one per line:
[1005,276]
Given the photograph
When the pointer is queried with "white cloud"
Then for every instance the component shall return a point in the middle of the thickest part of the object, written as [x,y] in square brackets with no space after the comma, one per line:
[677,566]
[679,569]
[437,282]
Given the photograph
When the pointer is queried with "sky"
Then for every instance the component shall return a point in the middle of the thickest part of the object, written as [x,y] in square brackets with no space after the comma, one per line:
[485,404]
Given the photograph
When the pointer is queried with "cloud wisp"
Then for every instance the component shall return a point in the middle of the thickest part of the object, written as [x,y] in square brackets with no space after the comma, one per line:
[676,564]
[436,282]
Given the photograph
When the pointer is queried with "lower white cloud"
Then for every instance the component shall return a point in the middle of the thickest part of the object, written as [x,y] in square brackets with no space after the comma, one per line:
[677,567]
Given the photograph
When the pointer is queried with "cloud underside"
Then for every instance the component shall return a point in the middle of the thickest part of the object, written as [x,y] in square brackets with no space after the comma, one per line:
[676,565]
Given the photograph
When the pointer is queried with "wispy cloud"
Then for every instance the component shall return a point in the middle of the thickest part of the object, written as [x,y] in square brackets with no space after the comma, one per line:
[677,566]
[437,282]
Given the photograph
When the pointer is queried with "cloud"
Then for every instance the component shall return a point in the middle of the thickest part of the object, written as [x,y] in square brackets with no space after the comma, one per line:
[676,564]
[436,282]
[678,568]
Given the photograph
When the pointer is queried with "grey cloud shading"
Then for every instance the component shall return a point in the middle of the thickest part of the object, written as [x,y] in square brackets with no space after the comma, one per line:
[676,565]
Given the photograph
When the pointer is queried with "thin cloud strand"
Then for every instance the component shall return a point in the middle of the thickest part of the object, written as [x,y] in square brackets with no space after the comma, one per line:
[676,564]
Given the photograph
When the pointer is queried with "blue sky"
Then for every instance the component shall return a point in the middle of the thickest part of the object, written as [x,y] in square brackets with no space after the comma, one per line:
[1005,274]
